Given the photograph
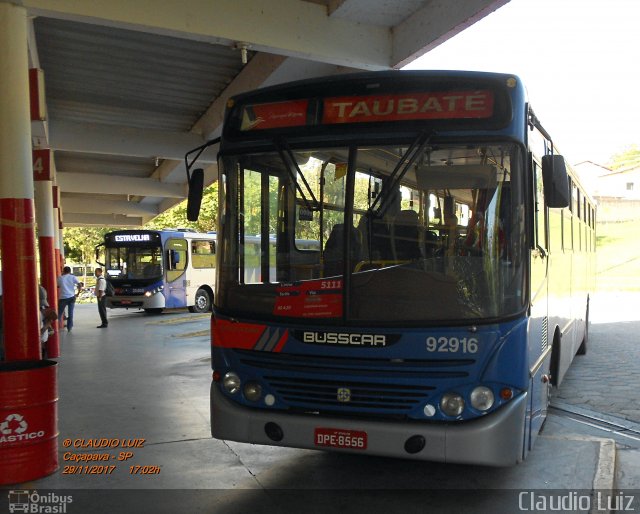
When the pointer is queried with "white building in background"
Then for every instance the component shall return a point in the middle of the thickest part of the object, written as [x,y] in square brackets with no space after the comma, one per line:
[617,192]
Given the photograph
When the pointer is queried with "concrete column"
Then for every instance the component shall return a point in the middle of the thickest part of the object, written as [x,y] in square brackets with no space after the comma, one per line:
[19,277]
[57,236]
[63,259]
[46,239]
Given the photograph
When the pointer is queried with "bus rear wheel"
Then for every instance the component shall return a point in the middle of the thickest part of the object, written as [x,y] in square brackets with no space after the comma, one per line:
[203,301]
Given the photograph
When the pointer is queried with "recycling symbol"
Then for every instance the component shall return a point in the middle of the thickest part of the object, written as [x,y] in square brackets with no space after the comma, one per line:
[14,423]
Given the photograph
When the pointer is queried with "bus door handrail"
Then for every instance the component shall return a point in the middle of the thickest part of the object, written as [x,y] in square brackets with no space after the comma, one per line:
[401,169]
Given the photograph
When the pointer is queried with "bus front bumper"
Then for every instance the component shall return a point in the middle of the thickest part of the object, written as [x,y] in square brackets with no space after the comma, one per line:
[155,301]
[494,440]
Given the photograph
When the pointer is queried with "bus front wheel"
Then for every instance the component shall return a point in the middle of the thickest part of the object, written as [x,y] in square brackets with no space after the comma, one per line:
[203,301]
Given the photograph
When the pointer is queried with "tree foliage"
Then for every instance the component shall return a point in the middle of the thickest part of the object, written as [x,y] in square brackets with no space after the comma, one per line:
[630,158]
[176,217]
[80,242]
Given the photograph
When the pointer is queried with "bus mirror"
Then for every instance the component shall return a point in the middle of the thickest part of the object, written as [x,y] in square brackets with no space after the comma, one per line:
[196,186]
[556,181]
[98,247]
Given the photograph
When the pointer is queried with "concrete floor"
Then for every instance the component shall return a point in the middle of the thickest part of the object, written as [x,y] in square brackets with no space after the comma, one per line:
[148,377]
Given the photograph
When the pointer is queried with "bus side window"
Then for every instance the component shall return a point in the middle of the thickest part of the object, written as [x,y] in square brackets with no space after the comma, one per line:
[176,254]
[203,254]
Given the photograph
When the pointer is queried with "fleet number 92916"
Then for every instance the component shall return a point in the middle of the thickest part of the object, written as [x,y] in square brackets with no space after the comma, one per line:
[452,344]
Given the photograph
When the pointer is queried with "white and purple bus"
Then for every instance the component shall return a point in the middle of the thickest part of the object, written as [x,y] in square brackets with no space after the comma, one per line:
[158,269]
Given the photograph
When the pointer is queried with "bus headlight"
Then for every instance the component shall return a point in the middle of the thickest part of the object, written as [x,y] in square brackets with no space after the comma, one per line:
[153,291]
[452,404]
[231,382]
[482,398]
[252,391]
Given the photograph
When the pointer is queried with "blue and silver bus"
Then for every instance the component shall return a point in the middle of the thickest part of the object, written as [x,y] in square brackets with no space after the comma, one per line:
[158,269]
[448,289]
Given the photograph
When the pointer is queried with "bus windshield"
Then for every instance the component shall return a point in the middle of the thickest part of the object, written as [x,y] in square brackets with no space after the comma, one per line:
[134,262]
[436,233]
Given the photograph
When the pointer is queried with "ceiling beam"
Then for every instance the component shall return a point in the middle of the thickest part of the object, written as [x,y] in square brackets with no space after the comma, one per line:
[434,24]
[99,206]
[74,219]
[312,32]
[286,27]
[34,58]
[129,141]
[210,176]
[252,76]
[71,182]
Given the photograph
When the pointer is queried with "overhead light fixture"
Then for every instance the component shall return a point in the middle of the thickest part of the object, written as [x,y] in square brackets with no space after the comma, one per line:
[243,47]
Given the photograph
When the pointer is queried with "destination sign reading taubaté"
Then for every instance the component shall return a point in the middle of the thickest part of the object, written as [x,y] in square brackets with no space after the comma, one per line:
[414,106]
[438,105]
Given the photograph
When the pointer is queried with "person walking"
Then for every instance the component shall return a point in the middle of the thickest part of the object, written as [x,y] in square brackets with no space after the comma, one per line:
[101,295]
[67,284]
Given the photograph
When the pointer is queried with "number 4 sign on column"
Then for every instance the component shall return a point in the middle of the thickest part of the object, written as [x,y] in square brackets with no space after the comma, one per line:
[42,164]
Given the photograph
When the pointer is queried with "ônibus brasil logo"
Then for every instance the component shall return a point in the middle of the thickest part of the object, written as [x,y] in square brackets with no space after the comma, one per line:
[31,501]
[15,428]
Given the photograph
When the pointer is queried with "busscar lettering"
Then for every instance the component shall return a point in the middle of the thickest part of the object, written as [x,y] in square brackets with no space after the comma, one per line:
[344,339]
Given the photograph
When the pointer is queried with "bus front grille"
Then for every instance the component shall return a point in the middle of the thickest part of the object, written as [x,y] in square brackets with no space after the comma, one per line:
[341,394]
[329,383]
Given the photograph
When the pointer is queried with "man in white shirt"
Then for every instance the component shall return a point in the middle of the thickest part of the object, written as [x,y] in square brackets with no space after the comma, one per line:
[101,295]
[67,284]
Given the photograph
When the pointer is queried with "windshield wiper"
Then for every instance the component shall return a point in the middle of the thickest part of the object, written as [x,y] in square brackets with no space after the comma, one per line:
[284,151]
[406,161]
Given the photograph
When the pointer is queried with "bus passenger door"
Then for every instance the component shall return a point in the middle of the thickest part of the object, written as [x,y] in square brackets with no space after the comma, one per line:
[538,337]
[175,255]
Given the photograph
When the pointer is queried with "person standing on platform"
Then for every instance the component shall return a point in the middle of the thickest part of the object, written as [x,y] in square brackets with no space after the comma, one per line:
[101,295]
[67,284]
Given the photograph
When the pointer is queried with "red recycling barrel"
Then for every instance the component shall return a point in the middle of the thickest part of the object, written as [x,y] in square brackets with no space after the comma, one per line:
[28,420]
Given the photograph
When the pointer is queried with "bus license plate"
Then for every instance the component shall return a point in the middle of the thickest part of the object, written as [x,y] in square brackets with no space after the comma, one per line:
[339,438]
